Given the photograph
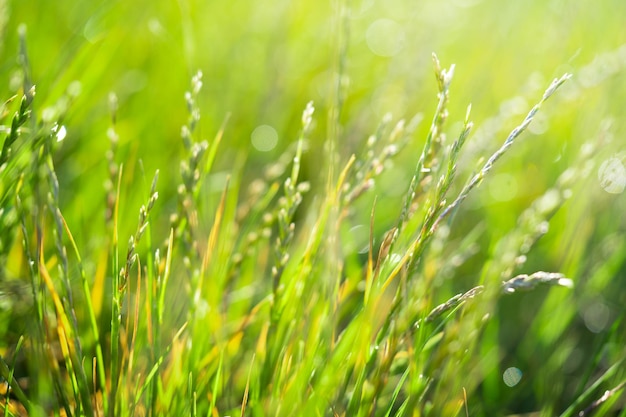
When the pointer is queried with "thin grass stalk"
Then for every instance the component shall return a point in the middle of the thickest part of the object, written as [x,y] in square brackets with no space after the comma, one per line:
[35,285]
[445,78]
[432,220]
[100,366]
[209,262]
[150,285]
[152,374]
[75,367]
[67,333]
[64,330]
[116,314]
[159,311]
[192,395]
[7,374]
[217,381]
[341,347]
[214,146]
[212,242]
[184,221]
[130,371]
[477,178]
[121,288]
[396,393]
[607,399]
[281,291]
[417,246]
[400,297]
[26,103]
[337,87]
[588,394]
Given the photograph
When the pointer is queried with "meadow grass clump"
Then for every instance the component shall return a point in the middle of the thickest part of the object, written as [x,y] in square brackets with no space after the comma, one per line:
[256,302]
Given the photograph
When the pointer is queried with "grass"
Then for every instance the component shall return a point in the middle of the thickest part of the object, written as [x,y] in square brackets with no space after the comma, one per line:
[356,269]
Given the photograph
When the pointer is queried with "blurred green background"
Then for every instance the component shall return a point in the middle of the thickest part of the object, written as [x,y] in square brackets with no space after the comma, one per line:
[262,61]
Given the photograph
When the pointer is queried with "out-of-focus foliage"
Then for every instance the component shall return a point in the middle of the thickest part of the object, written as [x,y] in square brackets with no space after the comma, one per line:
[357,61]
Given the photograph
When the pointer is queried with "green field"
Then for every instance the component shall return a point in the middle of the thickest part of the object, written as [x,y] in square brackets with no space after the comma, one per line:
[292,208]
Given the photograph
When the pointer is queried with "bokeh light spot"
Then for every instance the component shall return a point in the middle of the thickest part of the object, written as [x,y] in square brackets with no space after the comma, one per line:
[512,376]
[596,316]
[385,37]
[155,27]
[264,138]
[612,176]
